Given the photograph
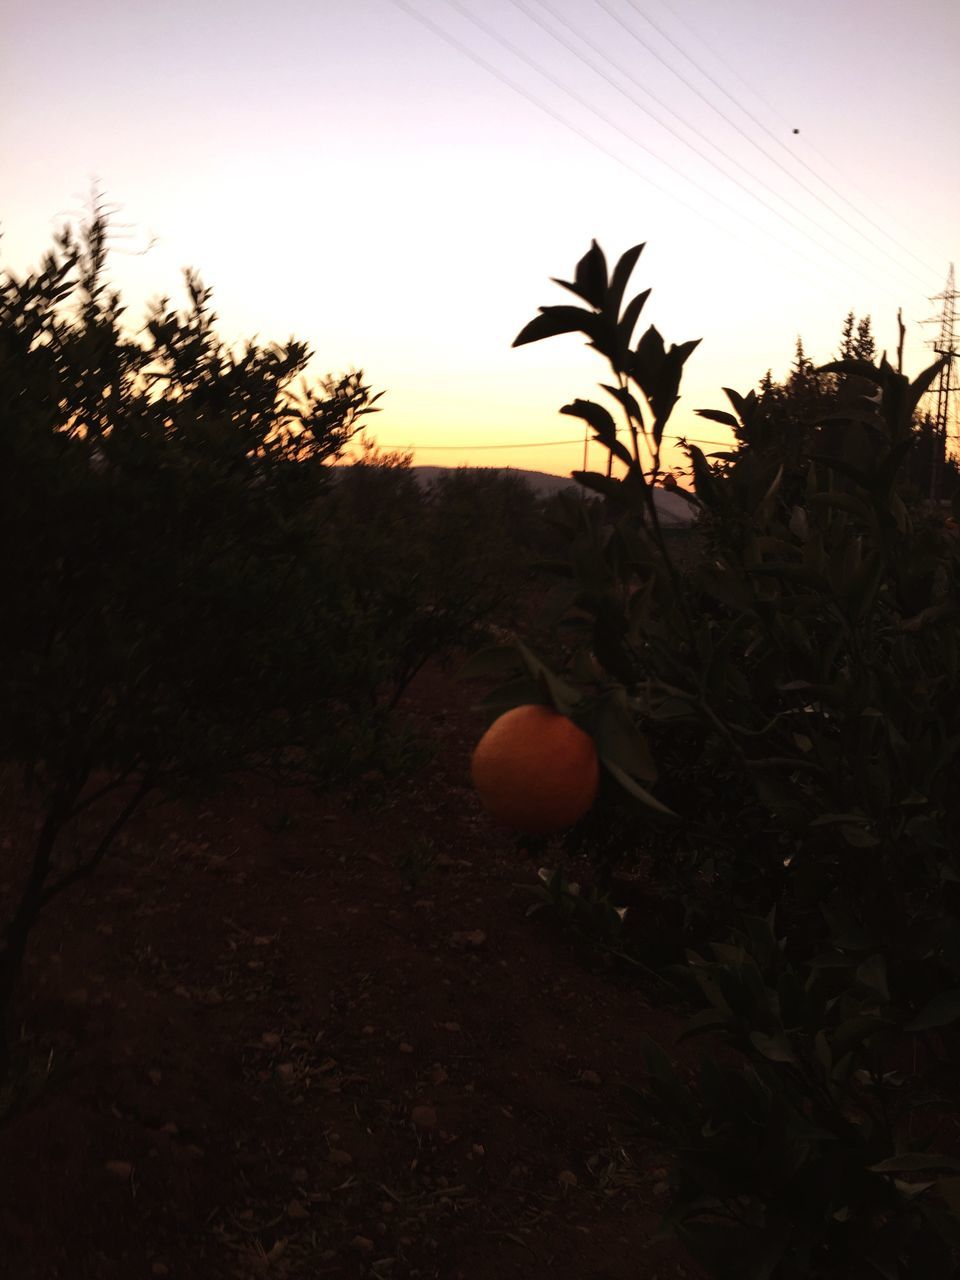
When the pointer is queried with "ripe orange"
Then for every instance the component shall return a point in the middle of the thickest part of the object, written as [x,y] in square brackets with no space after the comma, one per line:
[535,770]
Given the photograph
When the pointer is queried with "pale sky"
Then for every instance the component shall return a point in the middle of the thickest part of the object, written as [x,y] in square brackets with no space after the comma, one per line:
[341,172]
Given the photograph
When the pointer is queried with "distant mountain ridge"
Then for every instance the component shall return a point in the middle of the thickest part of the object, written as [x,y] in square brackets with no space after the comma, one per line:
[542,483]
[672,509]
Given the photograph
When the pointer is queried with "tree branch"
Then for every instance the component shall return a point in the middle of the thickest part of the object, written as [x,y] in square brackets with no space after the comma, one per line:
[84,869]
[94,796]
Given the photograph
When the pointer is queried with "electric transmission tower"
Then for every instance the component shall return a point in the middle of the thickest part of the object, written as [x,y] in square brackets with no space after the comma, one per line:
[945,344]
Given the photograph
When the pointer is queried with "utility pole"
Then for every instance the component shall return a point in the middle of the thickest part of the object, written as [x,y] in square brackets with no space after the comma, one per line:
[945,344]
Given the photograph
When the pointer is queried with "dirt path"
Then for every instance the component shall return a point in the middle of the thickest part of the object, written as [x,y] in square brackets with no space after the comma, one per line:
[273,1057]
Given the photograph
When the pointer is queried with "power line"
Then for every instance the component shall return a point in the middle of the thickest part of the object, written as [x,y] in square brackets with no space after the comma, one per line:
[672,196]
[519,53]
[774,111]
[613,124]
[437,448]
[536,444]
[607,8]
[665,124]
[666,36]
[554,115]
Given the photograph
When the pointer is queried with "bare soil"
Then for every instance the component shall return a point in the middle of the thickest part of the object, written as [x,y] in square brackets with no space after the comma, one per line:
[283,1035]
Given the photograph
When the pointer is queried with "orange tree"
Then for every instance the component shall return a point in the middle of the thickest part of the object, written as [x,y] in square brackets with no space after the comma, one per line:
[793,699]
[162,618]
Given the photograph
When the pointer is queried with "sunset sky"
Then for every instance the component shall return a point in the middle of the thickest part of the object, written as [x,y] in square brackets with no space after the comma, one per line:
[397,190]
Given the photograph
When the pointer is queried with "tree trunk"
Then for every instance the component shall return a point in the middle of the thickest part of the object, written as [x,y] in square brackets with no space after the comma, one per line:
[38,891]
[28,909]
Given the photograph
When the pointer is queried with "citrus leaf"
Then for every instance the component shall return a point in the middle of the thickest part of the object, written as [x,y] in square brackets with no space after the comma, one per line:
[493,662]
[914,1161]
[941,1011]
[776,1048]
[631,314]
[619,739]
[556,320]
[621,275]
[608,486]
[635,789]
[718,415]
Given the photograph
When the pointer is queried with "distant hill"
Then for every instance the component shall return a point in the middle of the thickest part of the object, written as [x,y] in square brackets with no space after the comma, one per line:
[672,509]
[543,484]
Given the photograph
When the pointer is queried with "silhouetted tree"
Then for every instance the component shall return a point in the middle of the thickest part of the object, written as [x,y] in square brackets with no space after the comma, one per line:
[162,619]
[783,418]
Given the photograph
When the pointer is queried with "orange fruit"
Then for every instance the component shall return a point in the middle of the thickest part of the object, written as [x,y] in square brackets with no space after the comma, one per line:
[535,770]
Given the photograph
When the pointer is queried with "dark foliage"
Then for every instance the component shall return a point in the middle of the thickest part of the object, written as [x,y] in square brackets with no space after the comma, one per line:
[790,705]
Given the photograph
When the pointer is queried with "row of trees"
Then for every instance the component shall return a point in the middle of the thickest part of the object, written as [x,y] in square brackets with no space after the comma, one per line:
[190,585]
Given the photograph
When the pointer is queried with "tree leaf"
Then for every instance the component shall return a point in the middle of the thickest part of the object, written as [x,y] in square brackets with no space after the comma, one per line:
[627,399]
[718,415]
[591,276]
[596,415]
[620,277]
[603,425]
[618,738]
[609,486]
[635,789]
[702,1023]
[776,1048]
[856,368]
[941,1011]
[872,973]
[924,381]
[854,1031]
[914,1162]
[556,320]
[631,314]
[858,837]
[704,481]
